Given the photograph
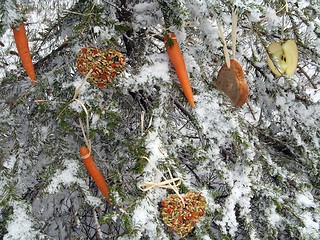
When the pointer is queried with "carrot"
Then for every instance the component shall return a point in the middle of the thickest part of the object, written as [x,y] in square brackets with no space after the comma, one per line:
[94,172]
[21,40]
[179,65]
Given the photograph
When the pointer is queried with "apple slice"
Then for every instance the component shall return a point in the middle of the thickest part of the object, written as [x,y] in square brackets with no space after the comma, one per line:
[282,57]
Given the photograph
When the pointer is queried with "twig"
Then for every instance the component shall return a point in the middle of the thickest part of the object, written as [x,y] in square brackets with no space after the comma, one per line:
[112,4]
[308,77]
[192,120]
[183,110]
[260,70]
[64,45]
[98,227]
[282,26]
[272,14]
[251,111]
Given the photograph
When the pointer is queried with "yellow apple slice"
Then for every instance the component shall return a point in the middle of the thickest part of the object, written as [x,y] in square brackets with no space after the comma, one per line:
[291,53]
[274,56]
[282,57]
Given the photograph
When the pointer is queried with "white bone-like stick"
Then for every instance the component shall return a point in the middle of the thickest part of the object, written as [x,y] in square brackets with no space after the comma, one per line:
[142,121]
[234,32]
[85,137]
[282,27]
[164,184]
[225,49]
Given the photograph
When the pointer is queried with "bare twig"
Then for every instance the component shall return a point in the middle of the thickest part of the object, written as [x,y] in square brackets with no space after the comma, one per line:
[98,227]
[42,60]
[259,69]
[183,110]
[308,77]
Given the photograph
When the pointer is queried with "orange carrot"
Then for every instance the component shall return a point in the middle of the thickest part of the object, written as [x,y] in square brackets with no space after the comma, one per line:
[179,65]
[94,172]
[21,40]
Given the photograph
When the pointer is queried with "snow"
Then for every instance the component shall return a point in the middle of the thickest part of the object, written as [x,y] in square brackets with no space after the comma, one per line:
[311,228]
[66,176]
[240,194]
[20,227]
[154,73]
[305,199]
[255,16]
[143,215]
[273,217]
[314,94]
[144,14]
[9,163]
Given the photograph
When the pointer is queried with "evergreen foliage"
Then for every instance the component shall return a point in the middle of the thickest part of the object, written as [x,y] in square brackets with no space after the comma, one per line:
[258,167]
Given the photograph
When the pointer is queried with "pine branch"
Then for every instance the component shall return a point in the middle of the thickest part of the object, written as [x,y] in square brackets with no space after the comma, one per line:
[54,52]
[172,13]
[307,76]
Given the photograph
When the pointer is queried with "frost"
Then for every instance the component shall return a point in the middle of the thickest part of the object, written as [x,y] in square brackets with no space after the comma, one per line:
[65,177]
[144,13]
[93,201]
[314,94]
[9,163]
[20,227]
[143,215]
[76,106]
[311,228]
[95,118]
[155,72]
[240,194]
[255,16]
[305,199]
[273,217]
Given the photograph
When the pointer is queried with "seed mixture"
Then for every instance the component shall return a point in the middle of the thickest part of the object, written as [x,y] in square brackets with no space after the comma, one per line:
[105,65]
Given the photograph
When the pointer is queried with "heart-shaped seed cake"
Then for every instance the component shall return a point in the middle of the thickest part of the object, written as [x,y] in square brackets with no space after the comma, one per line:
[182,218]
[105,65]
[231,81]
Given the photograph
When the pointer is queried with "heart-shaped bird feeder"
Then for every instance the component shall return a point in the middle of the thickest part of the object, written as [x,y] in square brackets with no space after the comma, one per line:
[105,65]
[230,79]
[180,212]
[182,216]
